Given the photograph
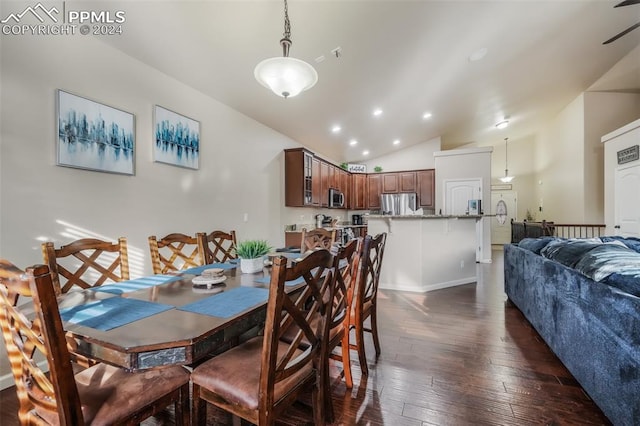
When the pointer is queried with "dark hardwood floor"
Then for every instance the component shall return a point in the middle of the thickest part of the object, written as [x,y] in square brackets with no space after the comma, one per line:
[457,356]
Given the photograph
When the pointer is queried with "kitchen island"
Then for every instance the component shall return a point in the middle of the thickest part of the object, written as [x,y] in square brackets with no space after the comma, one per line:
[426,253]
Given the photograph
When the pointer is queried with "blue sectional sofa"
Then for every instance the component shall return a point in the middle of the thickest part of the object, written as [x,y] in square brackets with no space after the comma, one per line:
[583,298]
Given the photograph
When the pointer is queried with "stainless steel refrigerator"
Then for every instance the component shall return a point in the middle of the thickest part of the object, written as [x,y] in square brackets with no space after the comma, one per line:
[403,203]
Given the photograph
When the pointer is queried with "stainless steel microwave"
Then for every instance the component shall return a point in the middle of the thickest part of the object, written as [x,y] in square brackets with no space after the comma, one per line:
[336,198]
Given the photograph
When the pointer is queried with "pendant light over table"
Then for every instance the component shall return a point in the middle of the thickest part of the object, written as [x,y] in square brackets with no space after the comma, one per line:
[284,75]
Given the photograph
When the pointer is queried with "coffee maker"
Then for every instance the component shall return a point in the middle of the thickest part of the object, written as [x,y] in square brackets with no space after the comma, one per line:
[356,219]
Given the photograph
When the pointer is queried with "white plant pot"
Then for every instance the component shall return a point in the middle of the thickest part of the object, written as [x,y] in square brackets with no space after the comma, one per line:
[251,266]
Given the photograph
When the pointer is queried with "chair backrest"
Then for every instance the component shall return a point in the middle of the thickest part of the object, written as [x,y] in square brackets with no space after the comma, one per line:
[369,275]
[293,315]
[87,263]
[348,265]
[174,252]
[218,246]
[317,238]
[31,338]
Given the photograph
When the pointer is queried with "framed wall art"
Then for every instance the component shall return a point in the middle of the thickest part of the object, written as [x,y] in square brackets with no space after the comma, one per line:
[94,136]
[177,139]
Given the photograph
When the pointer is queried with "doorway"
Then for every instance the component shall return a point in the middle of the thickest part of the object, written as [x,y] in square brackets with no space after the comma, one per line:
[504,207]
[458,192]
[627,201]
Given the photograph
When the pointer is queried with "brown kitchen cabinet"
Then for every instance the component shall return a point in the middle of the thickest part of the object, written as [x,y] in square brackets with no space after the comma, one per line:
[325,183]
[374,189]
[358,199]
[407,181]
[426,181]
[299,178]
[390,184]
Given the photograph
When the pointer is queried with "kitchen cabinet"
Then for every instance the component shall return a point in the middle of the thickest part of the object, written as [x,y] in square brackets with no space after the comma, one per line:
[426,180]
[299,178]
[358,199]
[390,183]
[316,187]
[325,183]
[374,189]
[407,181]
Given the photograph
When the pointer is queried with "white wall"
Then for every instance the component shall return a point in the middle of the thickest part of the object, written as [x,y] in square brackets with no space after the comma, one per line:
[521,152]
[467,164]
[625,137]
[415,157]
[241,160]
[604,112]
[570,157]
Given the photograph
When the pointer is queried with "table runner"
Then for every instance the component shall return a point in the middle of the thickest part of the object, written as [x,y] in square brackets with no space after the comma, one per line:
[228,303]
[137,284]
[110,313]
[198,269]
[267,280]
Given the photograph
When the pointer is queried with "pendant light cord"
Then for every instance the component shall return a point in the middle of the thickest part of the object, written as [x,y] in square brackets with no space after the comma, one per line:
[506,157]
[286,39]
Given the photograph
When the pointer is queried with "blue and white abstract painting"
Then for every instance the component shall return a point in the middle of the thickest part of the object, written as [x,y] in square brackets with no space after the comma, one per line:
[177,139]
[94,136]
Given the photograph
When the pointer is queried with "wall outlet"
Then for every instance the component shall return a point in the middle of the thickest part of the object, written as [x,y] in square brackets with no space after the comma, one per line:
[461,264]
[246,217]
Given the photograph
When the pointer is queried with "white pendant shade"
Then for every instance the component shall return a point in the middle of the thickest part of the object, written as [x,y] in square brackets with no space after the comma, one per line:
[506,179]
[285,76]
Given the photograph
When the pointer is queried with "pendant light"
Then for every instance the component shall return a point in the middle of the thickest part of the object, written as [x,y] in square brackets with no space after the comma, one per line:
[506,178]
[284,75]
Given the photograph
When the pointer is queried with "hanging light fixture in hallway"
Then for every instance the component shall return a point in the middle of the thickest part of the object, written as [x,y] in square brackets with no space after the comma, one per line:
[506,178]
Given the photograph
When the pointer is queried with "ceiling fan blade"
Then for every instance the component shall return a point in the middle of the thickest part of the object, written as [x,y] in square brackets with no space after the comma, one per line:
[617,36]
[627,3]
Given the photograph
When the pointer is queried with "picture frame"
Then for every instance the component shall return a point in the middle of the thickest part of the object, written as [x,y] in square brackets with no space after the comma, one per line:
[94,136]
[176,139]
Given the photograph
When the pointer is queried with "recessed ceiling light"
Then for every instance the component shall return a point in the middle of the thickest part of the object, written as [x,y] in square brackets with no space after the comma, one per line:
[365,152]
[478,54]
[396,142]
[336,129]
[426,115]
[353,142]
[377,112]
[502,124]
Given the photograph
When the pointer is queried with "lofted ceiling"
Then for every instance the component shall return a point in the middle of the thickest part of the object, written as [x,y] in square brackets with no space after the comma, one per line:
[404,57]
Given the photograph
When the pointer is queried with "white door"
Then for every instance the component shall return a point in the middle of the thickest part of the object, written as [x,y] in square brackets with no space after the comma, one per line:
[458,192]
[627,201]
[503,206]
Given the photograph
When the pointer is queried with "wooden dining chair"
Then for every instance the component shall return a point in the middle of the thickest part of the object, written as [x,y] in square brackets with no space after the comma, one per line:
[260,378]
[218,246]
[317,238]
[87,263]
[52,394]
[174,252]
[365,298]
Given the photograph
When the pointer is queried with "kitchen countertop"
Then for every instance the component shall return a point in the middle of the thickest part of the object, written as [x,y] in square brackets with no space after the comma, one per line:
[430,216]
[339,226]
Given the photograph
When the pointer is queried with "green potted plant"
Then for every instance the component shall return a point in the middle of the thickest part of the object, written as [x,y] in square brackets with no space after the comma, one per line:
[377,169]
[344,166]
[251,253]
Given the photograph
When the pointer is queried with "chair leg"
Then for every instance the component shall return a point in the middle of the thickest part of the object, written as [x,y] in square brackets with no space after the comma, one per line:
[183,407]
[319,391]
[199,408]
[346,360]
[359,346]
[374,329]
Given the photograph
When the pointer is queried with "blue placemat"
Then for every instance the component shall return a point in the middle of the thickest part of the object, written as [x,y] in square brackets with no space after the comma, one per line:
[198,269]
[267,279]
[228,303]
[111,313]
[137,284]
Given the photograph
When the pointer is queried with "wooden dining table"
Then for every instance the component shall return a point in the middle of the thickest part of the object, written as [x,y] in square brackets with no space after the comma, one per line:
[167,319]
